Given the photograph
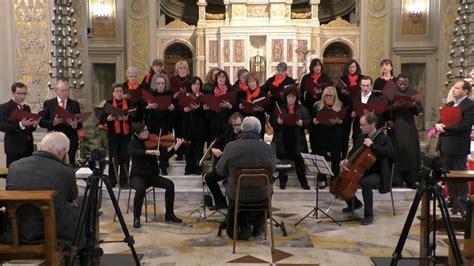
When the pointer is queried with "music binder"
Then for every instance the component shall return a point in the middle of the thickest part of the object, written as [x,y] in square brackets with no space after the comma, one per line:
[378,108]
[186,100]
[230,97]
[64,114]
[450,115]
[163,101]
[19,114]
[289,119]
[408,98]
[390,85]
[112,110]
[324,116]
[211,101]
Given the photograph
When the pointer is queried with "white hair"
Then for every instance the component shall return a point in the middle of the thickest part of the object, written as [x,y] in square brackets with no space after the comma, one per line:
[251,124]
[54,143]
[132,71]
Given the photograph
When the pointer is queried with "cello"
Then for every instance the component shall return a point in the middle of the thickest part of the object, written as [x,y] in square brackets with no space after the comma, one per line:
[347,183]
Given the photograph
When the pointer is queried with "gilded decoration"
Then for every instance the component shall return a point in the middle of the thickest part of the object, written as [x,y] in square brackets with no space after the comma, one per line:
[377,8]
[138,9]
[213,50]
[289,50]
[410,27]
[226,51]
[105,28]
[238,10]
[448,27]
[32,48]
[278,10]
[139,46]
[306,15]
[212,16]
[238,51]
[338,23]
[257,11]
[277,51]
[178,24]
[375,45]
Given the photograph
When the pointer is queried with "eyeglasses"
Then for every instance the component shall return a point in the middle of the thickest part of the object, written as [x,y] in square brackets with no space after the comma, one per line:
[21,93]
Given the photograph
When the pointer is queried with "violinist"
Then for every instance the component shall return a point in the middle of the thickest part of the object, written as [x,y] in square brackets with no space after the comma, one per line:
[328,137]
[378,175]
[179,84]
[218,120]
[160,120]
[254,92]
[145,173]
[311,88]
[290,140]
[195,130]
[118,135]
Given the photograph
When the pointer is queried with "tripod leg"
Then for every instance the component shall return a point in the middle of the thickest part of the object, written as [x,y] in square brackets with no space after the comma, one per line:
[309,213]
[128,238]
[397,254]
[79,226]
[449,226]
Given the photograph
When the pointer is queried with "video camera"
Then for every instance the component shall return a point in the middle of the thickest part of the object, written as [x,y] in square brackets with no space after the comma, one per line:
[98,156]
[431,169]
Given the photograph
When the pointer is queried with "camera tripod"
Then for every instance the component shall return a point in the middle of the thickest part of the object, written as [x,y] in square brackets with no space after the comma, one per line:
[85,243]
[430,189]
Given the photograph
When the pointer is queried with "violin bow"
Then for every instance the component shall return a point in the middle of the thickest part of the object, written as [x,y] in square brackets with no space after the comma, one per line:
[159,140]
[207,151]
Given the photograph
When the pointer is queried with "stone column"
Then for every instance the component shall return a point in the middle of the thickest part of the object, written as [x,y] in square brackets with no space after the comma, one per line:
[202,13]
[7,55]
[138,34]
[314,12]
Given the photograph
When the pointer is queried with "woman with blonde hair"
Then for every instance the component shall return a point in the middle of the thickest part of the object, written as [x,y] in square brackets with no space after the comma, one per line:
[327,136]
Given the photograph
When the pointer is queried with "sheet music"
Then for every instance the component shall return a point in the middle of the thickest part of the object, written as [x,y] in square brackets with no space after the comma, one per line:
[317,164]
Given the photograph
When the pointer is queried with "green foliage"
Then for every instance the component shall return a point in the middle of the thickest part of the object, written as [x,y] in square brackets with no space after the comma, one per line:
[94,138]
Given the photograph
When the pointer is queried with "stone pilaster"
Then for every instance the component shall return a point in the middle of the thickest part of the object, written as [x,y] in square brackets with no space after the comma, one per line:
[138,28]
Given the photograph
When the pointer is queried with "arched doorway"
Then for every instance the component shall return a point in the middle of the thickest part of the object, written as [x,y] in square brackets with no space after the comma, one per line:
[335,56]
[177,52]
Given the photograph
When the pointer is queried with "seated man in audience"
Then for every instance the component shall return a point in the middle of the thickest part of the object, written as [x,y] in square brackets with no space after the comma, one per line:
[248,150]
[46,169]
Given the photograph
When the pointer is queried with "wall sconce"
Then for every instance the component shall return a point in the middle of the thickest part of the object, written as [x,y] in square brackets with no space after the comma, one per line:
[416,10]
[101,10]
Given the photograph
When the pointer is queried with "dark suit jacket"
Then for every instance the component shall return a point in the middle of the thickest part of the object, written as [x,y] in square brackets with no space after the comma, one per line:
[144,165]
[17,141]
[47,120]
[457,138]
[382,148]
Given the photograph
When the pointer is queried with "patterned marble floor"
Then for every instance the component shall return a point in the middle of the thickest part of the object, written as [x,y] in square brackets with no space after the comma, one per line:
[313,242]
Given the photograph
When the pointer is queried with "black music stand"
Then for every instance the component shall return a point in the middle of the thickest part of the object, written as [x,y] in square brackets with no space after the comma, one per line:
[317,165]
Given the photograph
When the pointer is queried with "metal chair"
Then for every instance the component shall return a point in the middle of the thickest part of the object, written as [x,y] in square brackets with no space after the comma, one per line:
[254,177]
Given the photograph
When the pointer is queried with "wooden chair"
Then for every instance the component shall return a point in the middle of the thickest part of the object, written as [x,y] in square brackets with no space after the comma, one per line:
[254,177]
[43,200]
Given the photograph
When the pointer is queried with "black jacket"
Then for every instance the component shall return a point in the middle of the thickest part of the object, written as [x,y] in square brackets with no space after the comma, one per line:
[17,140]
[383,149]
[143,165]
[308,84]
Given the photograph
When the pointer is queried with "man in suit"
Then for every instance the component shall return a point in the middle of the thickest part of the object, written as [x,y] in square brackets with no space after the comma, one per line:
[378,175]
[69,127]
[18,135]
[455,141]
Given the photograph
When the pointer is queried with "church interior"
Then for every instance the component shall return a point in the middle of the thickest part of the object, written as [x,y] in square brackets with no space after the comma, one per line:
[92,43]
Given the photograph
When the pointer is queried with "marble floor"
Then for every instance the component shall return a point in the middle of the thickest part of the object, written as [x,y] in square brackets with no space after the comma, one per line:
[312,242]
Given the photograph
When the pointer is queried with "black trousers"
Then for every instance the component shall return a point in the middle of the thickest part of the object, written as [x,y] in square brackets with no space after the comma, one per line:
[300,170]
[367,184]
[457,190]
[212,181]
[140,184]
[245,219]
[118,152]
[409,176]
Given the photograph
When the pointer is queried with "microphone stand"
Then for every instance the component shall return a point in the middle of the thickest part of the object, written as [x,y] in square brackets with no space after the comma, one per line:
[202,208]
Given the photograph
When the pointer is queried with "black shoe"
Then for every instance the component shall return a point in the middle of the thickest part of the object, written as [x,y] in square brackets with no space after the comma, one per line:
[357,205]
[136,223]
[305,187]
[282,185]
[245,232]
[218,206]
[172,218]
[198,172]
[164,171]
[188,172]
[179,157]
[412,186]
[367,220]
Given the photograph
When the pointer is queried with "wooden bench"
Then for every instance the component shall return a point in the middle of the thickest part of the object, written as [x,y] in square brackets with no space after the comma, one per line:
[43,200]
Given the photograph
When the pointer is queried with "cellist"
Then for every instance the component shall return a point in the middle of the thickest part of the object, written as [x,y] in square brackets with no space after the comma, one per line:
[378,175]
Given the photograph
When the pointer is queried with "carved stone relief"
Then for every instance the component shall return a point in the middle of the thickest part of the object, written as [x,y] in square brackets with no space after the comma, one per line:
[238,51]
[277,51]
[375,45]
[238,10]
[289,50]
[139,45]
[213,50]
[257,11]
[226,51]
[278,10]
[377,8]
[301,45]
[138,9]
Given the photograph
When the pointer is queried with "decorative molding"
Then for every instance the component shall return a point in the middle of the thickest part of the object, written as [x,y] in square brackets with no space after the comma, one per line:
[238,10]
[211,16]
[306,15]
[139,45]
[375,45]
[257,11]
[377,8]
[138,9]
[338,23]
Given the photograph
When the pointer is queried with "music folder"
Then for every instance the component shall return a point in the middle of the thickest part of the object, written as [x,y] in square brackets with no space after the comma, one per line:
[289,119]
[249,106]
[450,115]
[163,101]
[390,85]
[112,110]
[186,99]
[211,101]
[19,114]
[230,97]
[324,116]
[378,108]
[408,98]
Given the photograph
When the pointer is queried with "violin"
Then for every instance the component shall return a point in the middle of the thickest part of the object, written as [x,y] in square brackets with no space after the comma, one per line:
[154,141]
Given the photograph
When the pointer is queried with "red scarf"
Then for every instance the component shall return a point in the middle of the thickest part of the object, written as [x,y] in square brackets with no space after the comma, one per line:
[243,86]
[316,77]
[278,80]
[291,108]
[252,95]
[353,79]
[219,92]
[147,77]
[132,86]
[117,123]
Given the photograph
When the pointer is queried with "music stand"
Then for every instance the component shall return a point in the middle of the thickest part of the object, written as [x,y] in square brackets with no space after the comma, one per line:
[202,208]
[318,165]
